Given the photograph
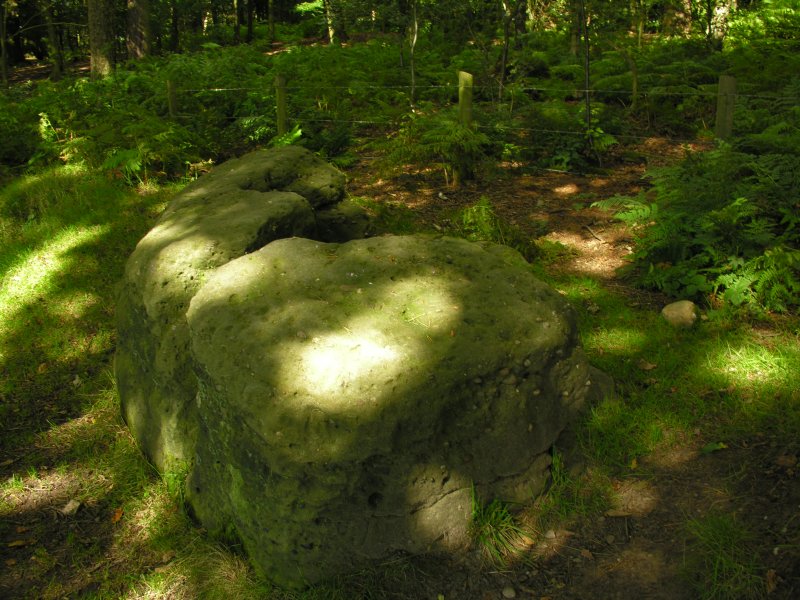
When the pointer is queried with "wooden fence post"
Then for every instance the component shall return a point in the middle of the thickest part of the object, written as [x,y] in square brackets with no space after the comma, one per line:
[726,102]
[462,170]
[172,99]
[465,98]
[280,102]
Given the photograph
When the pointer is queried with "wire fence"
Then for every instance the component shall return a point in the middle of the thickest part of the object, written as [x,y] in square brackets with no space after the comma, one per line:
[489,100]
[510,88]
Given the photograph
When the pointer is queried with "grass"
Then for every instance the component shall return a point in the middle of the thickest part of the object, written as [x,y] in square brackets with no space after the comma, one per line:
[496,531]
[570,494]
[722,565]
[65,236]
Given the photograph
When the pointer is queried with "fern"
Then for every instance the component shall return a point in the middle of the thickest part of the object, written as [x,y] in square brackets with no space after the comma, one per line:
[634,211]
[778,284]
[720,224]
[480,223]
[128,163]
[288,138]
[442,139]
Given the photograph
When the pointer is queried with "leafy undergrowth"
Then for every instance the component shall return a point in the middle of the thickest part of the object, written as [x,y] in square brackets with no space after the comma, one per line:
[695,454]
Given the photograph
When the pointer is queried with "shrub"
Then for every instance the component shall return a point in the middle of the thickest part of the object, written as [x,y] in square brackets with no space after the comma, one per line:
[440,138]
[722,224]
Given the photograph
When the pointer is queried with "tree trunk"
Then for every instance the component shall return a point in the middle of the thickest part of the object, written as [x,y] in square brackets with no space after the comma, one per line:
[101,37]
[520,16]
[508,17]
[677,20]
[584,28]
[575,27]
[271,19]
[538,19]
[175,37]
[3,48]
[413,35]
[237,24]
[250,9]
[54,53]
[718,18]
[335,21]
[630,58]
[138,29]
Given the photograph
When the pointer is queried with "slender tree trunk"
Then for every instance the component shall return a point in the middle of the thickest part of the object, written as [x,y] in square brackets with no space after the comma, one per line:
[250,9]
[237,24]
[138,29]
[677,20]
[101,37]
[520,21]
[54,52]
[718,18]
[576,8]
[175,37]
[630,58]
[271,19]
[508,17]
[640,21]
[413,35]
[586,64]
[337,32]
[537,15]
[636,24]
[329,21]
[3,47]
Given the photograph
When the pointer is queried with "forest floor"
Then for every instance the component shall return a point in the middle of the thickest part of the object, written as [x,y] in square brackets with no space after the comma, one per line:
[637,548]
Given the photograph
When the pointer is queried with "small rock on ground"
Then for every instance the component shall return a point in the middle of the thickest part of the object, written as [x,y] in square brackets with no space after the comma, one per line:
[680,314]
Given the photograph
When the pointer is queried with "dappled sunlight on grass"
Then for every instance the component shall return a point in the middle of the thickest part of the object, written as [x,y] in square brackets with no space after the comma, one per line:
[131,537]
[200,570]
[92,430]
[30,196]
[34,274]
[753,385]
[617,432]
[748,365]
[622,340]
[92,454]
[76,304]
[50,489]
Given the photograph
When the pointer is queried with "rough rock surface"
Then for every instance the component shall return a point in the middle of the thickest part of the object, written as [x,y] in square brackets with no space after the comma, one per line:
[338,402]
[360,390]
[241,205]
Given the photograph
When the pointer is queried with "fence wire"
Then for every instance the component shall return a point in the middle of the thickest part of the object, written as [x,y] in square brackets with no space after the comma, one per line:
[508,89]
[506,98]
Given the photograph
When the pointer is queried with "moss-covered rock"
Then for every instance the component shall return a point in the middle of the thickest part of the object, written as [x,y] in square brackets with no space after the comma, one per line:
[335,403]
[352,394]
[238,207]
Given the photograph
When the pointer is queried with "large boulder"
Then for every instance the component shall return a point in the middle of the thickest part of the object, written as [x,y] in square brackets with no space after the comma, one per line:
[352,395]
[240,206]
[338,402]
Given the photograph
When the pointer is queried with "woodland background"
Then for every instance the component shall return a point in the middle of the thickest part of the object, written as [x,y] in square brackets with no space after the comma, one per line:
[594,126]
